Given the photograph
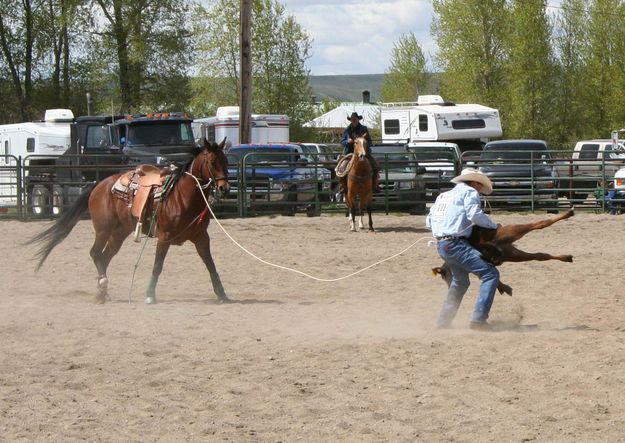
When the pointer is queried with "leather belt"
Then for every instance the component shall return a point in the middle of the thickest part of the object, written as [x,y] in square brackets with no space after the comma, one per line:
[449,238]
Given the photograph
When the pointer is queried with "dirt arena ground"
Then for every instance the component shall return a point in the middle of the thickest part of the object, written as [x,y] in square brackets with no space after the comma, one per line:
[293,359]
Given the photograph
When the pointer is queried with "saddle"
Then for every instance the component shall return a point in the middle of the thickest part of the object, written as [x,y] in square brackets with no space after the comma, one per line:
[140,189]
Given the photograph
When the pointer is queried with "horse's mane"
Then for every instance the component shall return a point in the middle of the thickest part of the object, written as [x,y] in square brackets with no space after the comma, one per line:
[179,171]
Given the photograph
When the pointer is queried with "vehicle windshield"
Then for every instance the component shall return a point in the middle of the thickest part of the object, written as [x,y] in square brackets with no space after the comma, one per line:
[161,133]
[434,154]
[396,162]
[263,155]
[515,153]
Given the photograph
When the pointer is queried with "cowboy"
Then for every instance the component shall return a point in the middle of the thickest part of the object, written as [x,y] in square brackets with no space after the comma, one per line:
[451,220]
[354,130]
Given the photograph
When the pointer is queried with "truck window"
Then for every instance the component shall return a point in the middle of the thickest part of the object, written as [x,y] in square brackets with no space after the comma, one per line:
[589,152]
[96,137]
[423,122]
[30,145]
[163,133]
[391,126]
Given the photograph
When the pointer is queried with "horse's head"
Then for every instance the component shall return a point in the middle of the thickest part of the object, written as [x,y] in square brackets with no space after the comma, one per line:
[210,165]
[360,146]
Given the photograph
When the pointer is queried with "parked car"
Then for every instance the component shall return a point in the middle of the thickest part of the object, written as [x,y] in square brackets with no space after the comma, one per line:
[441,161]
[276,177]
[521,172]
[591,162]
[401,178]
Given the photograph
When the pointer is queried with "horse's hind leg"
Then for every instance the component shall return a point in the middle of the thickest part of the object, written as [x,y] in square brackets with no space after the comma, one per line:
[202,246]
[511,233]
[159,258]
[101,262]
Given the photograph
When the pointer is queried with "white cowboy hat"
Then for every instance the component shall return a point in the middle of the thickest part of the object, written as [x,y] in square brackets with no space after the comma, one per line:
[473,175]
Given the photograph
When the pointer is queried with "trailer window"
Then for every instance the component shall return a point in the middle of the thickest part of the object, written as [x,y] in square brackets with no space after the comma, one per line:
[423,123]
[391,126]
[474,123]
[6,147]
[30,145]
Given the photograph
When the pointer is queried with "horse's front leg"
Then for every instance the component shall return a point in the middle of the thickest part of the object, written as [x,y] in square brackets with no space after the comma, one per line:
[203,248]
[161,251]
[370,219]
[352,219]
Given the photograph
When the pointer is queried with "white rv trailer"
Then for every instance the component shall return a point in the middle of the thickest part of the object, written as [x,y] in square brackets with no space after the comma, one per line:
[432,119]
[265,128]
[46,139]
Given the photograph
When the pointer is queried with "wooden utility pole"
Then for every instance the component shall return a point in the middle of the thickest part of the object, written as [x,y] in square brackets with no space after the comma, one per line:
[245,107]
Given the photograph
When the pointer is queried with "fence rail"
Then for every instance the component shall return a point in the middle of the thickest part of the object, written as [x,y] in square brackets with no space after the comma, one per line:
[43,187]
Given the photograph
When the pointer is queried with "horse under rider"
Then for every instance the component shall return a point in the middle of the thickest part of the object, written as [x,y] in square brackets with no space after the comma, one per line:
[451,220]
[354,130]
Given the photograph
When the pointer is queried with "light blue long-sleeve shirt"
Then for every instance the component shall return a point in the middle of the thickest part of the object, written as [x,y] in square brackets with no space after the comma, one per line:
[456,211]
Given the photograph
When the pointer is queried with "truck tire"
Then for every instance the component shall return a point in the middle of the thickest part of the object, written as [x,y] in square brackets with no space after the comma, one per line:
[39,200]
[57,200]
[290,207]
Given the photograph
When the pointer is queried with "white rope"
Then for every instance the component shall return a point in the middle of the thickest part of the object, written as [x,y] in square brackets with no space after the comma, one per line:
[295,270]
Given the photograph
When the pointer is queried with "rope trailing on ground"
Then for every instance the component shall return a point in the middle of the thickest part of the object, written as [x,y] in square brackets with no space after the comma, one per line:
[295,270]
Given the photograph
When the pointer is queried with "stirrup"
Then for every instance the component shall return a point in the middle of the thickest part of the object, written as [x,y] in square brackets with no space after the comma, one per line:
[137,235]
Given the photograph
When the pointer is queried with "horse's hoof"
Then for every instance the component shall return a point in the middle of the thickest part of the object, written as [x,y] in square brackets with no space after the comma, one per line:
[223,300]
[150,300]
[99,299]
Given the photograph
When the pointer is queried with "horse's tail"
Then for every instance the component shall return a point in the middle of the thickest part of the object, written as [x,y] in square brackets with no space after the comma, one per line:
[61,228]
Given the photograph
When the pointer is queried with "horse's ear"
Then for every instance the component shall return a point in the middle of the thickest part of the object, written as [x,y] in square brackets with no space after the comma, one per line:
[223,143]
[205,144]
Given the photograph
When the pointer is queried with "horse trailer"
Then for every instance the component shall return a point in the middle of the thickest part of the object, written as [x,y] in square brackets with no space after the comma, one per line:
[265,128]
[433,119]
[46,139]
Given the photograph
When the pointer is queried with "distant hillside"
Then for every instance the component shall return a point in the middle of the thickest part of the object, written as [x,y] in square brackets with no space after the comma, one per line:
[346,87]
[349,88]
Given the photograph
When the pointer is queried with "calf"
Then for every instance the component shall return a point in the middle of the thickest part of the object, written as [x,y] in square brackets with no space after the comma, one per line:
[496,247]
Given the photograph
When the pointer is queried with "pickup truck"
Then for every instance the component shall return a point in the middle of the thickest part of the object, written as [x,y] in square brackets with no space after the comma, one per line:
[401,179]
[592,162]
[441,161]
[521,172]
[266,177]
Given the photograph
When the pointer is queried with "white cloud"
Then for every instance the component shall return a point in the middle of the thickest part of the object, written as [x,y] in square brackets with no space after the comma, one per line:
[357,37]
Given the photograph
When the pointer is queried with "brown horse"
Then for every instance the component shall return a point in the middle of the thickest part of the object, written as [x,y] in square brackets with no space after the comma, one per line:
[180,216]
[496,246]
[359,185]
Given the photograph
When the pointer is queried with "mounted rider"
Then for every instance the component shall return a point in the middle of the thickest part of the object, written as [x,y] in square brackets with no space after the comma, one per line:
[354,130]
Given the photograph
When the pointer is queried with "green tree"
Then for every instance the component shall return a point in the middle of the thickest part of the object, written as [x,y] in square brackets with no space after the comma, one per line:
[571,45]
[17,44]
[472,41]
[280,48]
[149,45]
[604,70]
[531,71]
[406,77]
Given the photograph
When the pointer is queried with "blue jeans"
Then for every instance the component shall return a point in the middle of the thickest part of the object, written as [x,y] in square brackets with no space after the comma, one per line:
[463,259]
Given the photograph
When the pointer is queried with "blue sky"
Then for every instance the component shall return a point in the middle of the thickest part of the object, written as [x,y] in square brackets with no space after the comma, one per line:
[357,36]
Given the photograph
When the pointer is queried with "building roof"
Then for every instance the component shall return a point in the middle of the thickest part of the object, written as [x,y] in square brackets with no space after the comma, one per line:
[339,116]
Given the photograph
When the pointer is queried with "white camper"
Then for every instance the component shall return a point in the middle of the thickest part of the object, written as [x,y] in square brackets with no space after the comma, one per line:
[44,139]
[433,119]
[265,128]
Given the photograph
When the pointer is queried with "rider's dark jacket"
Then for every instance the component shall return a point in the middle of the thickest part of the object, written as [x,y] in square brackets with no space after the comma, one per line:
[353,132]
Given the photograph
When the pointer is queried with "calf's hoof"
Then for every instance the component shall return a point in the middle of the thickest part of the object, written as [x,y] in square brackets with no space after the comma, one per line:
[568,258]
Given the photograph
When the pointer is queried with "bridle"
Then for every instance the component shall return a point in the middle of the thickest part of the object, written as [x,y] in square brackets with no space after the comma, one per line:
[204,184]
